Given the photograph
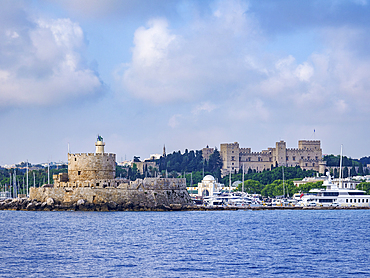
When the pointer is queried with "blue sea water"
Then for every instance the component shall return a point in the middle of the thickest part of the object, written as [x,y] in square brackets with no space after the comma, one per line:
[309,243]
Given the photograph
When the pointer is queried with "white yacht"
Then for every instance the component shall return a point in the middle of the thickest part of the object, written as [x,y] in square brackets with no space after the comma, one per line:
[231,199]
[334,196]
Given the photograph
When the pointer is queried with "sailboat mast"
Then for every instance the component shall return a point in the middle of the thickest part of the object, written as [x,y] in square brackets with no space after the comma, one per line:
[243,180]
[229,181]
[340,166]
[283,183]
[27,179]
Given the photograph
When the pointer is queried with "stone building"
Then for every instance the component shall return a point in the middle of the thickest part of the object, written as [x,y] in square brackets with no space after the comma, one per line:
[308,156]
[91,177]
[206,152]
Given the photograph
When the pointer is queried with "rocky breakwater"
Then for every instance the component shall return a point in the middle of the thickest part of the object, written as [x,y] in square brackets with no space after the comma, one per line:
[147,194]
[50,204]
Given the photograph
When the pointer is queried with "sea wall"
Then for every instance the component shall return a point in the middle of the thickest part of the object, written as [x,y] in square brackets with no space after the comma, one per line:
[126,198]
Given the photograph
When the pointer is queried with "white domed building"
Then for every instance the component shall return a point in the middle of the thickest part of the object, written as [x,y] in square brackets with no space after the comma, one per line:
[208,186]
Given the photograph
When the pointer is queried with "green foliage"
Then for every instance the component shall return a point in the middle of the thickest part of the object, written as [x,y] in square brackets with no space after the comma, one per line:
[334,161]
[251,186]
[41,177]
[267,177]
[276,188]
[191,161]
[364,186]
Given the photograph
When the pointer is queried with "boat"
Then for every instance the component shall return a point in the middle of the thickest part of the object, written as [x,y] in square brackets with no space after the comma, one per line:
[331,195]
[230,199]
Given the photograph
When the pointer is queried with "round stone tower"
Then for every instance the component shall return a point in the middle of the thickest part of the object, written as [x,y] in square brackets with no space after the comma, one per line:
[89,166]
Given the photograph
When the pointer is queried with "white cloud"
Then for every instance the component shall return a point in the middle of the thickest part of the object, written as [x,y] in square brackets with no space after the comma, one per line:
[42,63]
[204,107]
[174,120]
[187,64]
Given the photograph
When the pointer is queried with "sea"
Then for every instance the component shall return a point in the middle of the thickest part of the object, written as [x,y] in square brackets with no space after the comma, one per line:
[244,243]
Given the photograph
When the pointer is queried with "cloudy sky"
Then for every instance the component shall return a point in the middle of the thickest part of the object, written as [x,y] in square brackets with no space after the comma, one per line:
[185,73]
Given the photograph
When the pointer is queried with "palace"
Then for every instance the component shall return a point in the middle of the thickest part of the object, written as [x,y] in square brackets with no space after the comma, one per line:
[308,156]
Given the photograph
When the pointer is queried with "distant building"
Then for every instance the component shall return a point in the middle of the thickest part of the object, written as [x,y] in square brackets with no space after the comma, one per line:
[208,186]
[206,152]
[308,156]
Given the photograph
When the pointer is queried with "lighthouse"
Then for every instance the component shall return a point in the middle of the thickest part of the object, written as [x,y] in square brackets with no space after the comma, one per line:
[99,145]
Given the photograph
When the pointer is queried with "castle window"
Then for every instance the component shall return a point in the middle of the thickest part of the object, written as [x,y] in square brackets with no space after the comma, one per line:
[313,164]
[232,163]
[97,184]
[316,158]
[79,173]
[306,164]
[293,158]
[75,159]
[287,158]
[301,157]
[308,157]
[233,158]
[259,159]
[249,159]
[270,159]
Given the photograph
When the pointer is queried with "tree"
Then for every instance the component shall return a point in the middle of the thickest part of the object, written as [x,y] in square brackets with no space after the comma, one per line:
[364,186]
[360,170]
[345,172]
[251,186]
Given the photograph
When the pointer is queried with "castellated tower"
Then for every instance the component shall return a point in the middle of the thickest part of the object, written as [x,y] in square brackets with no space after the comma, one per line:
[88,167]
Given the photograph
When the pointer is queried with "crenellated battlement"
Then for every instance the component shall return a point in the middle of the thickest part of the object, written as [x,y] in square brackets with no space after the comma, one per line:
[83,155]
[309,150]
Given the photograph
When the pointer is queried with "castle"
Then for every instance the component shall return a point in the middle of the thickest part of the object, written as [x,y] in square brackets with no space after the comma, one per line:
[308,156]
[91,178]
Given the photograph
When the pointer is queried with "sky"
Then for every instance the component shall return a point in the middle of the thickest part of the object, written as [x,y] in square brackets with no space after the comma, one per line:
[184,74]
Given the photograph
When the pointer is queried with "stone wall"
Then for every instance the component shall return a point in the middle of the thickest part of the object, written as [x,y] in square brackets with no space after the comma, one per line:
[147,193]
[308,156]
[83,167]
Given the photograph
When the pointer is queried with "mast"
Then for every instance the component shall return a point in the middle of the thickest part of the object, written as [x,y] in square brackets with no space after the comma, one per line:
[283,183]
[15,184]
[27,179]
[340,166]
[10,182]
[243,180]
[229,181]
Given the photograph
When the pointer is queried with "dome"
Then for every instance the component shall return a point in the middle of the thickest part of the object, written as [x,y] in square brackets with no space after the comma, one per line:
[209,178]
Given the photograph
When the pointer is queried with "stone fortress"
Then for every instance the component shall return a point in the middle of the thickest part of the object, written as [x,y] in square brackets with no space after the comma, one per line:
[308,156]
[91,180]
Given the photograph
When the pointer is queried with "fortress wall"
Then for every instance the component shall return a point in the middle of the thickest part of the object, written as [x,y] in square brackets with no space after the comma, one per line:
[148,192]
[83,167]
[125,197]
[257,165]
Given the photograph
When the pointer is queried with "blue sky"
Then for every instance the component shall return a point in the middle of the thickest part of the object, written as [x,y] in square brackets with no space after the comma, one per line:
[182,73]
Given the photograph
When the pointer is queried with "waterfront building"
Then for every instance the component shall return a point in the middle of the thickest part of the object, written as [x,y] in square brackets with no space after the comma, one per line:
[308,156]
[209,186]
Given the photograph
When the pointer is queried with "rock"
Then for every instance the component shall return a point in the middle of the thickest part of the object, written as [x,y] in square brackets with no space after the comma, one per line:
[176,206]
[30,206]
[112,205]
[50,201]
[81,202]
